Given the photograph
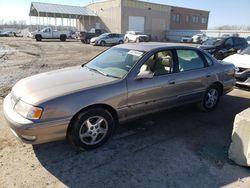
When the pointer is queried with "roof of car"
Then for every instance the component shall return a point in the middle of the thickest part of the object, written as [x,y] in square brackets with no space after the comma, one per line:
[147,46]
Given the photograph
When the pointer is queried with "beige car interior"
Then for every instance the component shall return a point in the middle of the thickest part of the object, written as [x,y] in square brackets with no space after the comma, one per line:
[159,63]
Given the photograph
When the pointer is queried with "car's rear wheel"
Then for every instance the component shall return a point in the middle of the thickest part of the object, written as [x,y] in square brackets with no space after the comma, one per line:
[121,42]
[91,129]
[210,99]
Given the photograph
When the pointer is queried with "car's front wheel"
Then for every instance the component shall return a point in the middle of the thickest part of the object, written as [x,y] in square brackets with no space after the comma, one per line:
[91,129]
[102,43]
[210,98]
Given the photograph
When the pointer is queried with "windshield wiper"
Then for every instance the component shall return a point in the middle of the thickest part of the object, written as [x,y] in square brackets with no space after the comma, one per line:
[95,70]
[103,73]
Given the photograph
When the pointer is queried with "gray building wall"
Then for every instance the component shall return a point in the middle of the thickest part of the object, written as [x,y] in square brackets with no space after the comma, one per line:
[109,13]
[157,17]
[113,15]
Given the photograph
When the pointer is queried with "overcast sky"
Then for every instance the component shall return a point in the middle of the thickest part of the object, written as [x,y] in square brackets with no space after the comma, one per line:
[222,12]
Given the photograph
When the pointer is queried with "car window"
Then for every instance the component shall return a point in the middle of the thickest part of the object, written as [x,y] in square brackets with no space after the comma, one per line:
[237,41]
[159,63]
[229,43]
[189,60]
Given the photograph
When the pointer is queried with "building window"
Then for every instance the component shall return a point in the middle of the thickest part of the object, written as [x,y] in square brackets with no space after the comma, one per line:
[195,19]
[176,18]
[204,20]
[187,19]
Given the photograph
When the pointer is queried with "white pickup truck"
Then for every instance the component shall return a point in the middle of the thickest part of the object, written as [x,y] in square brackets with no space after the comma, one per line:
[48,33]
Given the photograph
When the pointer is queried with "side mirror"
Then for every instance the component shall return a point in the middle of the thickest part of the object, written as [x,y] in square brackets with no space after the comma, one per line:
[144,74]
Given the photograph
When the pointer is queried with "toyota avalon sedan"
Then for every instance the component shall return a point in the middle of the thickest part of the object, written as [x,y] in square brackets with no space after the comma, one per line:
[85,103]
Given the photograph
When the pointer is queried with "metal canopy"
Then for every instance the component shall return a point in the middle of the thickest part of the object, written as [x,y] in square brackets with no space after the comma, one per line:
[55,10]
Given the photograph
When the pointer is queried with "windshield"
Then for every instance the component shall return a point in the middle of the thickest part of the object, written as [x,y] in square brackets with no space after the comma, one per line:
[103,35]
[138,33]
[115,62]
[212,41]
[246,51]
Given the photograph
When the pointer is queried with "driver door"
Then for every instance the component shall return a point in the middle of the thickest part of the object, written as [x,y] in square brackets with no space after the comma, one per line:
[152,94]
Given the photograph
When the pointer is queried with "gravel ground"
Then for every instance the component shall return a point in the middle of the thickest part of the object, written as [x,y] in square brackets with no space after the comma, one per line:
[181,147]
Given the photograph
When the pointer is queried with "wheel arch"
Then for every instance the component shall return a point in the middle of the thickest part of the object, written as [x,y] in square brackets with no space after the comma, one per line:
[38,35]
[109,108]
[220,86]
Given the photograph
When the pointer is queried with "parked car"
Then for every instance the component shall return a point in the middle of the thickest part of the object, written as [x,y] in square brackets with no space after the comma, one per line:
[48,33]
[223,47]
[86,36]
[248,39]
[136,36]
[107,39]
[8,34]
[199,38]
[187,39]
[85,103]
[242,63]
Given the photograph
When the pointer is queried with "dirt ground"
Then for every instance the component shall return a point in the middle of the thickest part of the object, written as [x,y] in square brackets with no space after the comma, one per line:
[181,147]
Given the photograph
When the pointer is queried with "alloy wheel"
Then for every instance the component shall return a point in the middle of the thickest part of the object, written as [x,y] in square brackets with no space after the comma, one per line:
[93,130]
[211,98]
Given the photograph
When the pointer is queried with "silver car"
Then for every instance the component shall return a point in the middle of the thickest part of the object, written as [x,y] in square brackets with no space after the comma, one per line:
[107,39]
[85,103]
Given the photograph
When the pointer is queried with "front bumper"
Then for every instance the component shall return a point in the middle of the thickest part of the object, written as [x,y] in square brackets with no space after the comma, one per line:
[243,78]
[33,132]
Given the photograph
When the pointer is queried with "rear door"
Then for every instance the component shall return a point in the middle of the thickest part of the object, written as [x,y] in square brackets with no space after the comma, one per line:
[193,75]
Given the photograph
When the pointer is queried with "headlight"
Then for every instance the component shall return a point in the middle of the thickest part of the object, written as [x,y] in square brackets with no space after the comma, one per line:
[28,111]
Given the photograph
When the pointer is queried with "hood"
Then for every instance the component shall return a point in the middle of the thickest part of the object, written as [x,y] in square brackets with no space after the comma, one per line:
[239,60]
[45,86]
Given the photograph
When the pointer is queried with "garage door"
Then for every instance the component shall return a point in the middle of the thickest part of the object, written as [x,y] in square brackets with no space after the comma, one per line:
[136,23]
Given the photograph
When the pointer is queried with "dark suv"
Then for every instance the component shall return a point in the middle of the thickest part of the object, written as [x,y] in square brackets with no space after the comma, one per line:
[223,47]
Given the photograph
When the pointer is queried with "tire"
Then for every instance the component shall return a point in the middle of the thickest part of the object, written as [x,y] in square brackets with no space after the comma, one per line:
[83,41]
[63,38]
[102,43]
[210,99]
[85,133]
[38,38]
[120,42]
